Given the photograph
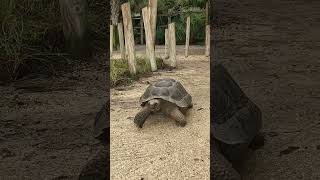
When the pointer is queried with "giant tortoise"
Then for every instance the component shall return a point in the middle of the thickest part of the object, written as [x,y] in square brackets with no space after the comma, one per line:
[167,96]
[235,124]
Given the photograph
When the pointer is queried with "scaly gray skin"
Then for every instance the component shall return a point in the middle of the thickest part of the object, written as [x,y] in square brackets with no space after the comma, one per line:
[159,105]
[96,168]
[226,156]
[220,167]
[235,153]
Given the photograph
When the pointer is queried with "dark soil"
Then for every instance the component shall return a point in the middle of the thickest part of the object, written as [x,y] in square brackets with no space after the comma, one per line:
[272,50]
[46,123]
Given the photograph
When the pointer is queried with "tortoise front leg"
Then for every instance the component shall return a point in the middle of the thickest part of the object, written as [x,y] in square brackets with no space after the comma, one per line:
[177,115]
[221,168]
[142,115]
[97,167]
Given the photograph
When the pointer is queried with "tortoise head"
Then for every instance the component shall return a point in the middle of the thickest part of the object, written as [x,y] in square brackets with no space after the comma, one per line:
[154,105]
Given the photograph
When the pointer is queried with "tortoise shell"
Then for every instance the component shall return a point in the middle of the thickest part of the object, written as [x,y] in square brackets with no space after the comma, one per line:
[169,90]
[234,117]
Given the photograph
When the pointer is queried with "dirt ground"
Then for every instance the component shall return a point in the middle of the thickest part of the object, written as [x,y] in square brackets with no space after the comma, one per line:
[46,124]
[161,150]
[272,50]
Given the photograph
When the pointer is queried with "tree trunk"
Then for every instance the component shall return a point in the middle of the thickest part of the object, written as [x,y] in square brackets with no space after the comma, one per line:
[75,26]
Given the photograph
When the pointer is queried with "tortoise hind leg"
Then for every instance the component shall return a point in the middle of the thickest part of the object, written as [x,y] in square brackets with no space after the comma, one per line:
[97,168]
[141,116]
[221,168]
[178,116]
[257,142]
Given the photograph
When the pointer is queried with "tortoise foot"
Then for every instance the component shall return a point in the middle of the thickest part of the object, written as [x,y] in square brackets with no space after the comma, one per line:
[181,123]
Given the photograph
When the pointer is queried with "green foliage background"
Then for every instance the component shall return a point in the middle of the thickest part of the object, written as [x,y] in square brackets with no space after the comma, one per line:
[164,6]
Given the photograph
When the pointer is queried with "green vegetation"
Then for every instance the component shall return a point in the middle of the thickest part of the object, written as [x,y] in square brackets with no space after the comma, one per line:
[173,8]
[31,37]
[119,72]
[197,25]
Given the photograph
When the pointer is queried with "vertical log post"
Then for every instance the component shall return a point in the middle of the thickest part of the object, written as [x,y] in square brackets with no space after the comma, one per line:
[207,40]
[141,31]
[111,39]
[187,37]
[153,5]
[149,38]
[207,52]
[172,44]
[166,46]
[207,13]
[129,38]
[121,41]
[75,27]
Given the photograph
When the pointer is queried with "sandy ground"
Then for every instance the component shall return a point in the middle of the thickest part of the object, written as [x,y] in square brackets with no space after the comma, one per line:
[161,150]
[46,125]
[272,50]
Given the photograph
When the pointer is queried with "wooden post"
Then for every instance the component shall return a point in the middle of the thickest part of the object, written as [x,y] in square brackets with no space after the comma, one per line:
[207,52]
[75,27]
[207,13]
[187,37]
[115,11]
[207,40]
[153,5]
[166,41]
[121,41]
[172,44]
[111,39]
[169,19]
[129,38]
[141,31]
[149,38]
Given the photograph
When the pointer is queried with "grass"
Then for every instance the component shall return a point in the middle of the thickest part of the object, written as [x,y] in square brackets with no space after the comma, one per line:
[31,37]
[120,75]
